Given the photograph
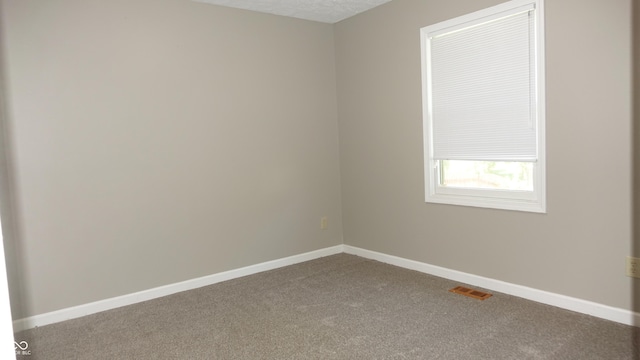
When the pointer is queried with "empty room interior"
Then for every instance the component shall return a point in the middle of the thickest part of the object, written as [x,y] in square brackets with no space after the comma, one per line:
[156,146]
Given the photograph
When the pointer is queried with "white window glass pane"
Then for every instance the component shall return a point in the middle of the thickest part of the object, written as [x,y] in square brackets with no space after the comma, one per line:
[487,175]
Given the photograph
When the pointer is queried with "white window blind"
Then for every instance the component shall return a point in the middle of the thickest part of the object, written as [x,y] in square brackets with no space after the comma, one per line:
[483,95]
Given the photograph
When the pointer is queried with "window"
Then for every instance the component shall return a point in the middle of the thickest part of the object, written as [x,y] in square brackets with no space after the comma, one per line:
[483,105]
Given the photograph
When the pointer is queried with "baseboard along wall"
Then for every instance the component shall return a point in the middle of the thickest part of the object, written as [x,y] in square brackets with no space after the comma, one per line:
[150,294]
[562,301]
[565,302]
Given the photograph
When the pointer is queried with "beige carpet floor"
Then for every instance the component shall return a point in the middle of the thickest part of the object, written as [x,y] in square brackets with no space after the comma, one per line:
[337,307]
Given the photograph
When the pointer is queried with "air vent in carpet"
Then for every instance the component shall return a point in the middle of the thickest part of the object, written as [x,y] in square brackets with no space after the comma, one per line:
[476,294]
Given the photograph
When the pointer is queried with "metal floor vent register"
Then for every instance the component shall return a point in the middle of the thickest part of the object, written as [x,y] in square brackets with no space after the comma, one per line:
[476,294]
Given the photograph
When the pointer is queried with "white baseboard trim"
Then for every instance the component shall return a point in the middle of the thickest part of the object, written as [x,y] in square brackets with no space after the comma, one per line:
[129,299]
[565,302]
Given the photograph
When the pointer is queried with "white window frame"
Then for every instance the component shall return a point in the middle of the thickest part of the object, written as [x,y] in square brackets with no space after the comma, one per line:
[531,201]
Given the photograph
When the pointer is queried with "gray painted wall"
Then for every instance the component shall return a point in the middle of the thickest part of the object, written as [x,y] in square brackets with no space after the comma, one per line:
[579,247]
[156,141]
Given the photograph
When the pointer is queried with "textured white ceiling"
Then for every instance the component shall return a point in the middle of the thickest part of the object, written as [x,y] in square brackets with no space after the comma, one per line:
[328,11]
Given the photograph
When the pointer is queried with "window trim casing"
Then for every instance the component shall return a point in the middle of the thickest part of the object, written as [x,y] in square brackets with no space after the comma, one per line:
[497,199]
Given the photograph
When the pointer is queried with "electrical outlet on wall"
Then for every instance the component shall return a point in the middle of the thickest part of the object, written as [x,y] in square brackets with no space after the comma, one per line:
[633,266]
[324,223]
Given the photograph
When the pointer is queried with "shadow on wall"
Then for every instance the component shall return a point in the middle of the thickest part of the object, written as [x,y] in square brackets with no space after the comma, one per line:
[9,240]
[635,131]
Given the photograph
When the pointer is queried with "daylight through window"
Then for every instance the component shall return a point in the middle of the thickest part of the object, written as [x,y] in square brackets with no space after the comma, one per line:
[483,100]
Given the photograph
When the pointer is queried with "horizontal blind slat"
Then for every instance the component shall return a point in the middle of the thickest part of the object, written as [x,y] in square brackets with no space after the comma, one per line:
[482,86]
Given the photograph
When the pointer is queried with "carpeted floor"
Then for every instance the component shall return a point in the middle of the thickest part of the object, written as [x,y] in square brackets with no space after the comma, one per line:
[337,307]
